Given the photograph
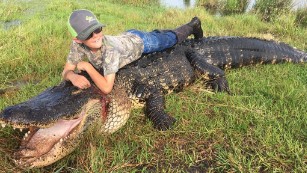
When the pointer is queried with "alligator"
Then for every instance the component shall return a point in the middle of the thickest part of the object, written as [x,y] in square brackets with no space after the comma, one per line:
[57,118]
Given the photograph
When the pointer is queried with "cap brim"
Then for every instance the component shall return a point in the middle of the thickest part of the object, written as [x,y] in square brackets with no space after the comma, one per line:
[85,34]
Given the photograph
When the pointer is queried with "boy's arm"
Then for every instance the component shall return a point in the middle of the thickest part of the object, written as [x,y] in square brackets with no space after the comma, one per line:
[104,83]
[77,80]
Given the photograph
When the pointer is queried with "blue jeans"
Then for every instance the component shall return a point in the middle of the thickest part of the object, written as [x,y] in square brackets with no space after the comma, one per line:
[155,41]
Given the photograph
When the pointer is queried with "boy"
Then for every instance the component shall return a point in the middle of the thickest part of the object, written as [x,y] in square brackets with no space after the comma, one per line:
[114,52]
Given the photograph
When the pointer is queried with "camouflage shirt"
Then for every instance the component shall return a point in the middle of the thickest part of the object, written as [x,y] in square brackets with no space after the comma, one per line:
[115,52]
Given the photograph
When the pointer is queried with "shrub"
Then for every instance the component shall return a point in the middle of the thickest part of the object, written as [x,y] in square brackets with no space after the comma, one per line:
[229,7]
[224,7]
[301,17]
[270,9]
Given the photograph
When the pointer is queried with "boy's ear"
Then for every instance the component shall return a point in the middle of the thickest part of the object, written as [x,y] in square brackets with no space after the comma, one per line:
[77,40]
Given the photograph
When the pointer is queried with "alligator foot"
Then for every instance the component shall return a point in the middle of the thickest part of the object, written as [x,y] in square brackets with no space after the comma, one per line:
[219,85]
[155,106]
[162,121]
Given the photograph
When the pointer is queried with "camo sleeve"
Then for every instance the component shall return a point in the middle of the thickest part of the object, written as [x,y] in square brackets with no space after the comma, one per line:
[76,53]
[111,62]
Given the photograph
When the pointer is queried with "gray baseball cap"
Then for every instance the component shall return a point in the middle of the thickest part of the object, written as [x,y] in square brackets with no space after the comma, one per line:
[82,23]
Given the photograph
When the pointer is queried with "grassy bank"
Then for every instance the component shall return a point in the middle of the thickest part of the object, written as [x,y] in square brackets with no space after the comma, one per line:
[260,128]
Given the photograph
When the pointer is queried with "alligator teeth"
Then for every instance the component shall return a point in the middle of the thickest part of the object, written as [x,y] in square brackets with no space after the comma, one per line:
[20,130]
[61,140]
[3,125]
[26,135]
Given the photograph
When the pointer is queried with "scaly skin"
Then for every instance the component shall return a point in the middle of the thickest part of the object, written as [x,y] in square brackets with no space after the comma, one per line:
[146,81]
[157,74]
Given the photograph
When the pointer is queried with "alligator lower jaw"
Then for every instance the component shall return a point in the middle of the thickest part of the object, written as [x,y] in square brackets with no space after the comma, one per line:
[38,145]
[43,146]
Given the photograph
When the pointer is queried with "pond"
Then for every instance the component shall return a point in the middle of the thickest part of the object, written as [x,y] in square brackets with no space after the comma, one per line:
[178,3]
[183,4]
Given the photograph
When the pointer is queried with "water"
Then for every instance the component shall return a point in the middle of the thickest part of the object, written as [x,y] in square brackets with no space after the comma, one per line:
[183,4]
[9,24]
[299,4]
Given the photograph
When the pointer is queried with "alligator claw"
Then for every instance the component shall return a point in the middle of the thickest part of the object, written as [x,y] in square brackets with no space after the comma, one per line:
[164,122]
[139,90]
[220,85]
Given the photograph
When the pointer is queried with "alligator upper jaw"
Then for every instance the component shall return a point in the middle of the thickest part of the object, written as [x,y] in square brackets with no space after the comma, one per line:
[43,146]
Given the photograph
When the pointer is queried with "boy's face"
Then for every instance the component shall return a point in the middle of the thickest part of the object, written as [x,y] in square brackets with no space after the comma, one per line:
[94,43]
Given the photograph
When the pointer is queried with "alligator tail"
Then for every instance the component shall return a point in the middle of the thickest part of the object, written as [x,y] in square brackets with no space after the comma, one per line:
[234,52]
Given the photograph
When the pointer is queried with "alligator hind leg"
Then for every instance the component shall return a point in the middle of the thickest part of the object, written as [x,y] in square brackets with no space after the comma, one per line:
[216,76]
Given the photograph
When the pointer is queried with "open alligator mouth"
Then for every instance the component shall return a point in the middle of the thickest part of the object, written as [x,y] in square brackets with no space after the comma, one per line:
[55,121]
[57,118]
[41,146]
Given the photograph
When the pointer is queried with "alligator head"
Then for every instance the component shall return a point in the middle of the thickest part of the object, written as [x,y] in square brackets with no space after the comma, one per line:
[57,118]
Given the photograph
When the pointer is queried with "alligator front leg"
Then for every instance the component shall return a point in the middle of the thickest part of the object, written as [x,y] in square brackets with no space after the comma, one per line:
[155,111]
[215,76]
[154,106]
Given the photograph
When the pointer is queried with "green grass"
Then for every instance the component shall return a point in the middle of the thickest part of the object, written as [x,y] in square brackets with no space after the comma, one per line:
[260,128]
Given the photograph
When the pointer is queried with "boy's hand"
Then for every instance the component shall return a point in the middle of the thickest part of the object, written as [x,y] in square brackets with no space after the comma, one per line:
[76,79]
[80,81]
